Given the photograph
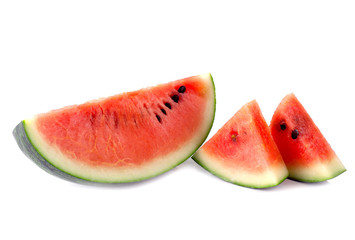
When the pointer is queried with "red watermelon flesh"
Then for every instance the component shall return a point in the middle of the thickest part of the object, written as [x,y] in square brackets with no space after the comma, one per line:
[306,152]
[243,151]
[130,136]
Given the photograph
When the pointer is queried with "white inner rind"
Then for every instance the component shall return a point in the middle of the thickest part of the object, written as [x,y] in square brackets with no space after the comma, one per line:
[318,171]
[270,177]
[128,174]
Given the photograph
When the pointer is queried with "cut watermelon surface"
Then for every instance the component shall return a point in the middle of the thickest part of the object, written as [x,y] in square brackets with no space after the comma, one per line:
[243,151]
[122,138]
[306,153]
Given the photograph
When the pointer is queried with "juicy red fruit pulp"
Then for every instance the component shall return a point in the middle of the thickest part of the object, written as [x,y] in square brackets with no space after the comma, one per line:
[126,129]
[306,153]
[298,138]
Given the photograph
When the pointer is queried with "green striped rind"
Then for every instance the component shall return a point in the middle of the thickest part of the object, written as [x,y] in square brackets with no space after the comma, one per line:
[32,153]
[201,162]
[24,142]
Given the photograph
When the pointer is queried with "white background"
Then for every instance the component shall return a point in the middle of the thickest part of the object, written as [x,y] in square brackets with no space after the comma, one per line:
[58,53]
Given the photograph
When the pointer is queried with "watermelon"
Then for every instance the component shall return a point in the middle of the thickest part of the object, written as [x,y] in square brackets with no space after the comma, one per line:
[307,154]
[243,151]
[123,138]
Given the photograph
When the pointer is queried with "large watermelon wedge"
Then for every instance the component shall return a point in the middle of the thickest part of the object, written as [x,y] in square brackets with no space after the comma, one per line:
[122,138]
[243,151]
[307,154]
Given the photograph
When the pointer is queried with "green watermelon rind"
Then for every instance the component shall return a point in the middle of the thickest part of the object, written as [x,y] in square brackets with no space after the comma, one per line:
[221,176]
[28,148]
[317,179]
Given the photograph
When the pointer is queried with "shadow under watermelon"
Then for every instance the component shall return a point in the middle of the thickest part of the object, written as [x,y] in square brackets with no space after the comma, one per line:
[292,184]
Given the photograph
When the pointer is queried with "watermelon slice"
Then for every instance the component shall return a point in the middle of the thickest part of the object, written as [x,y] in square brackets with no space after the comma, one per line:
[243,151]
[307,154]
[122,138]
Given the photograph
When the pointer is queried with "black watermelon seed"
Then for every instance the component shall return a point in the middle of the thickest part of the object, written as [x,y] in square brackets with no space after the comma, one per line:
[168,105]
[283,126]
[163,111]
[294,134]
[182,89]
[175,98]
[158,117]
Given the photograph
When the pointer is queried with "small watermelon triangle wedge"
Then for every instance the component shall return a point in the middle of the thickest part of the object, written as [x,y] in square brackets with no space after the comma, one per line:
[243,151]
[305,151]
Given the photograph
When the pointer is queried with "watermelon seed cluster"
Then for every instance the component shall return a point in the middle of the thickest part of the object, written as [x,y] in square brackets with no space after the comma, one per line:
[294,133]
[175,98]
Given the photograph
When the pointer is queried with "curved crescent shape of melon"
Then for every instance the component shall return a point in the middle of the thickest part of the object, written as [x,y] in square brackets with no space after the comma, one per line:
[124,138]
